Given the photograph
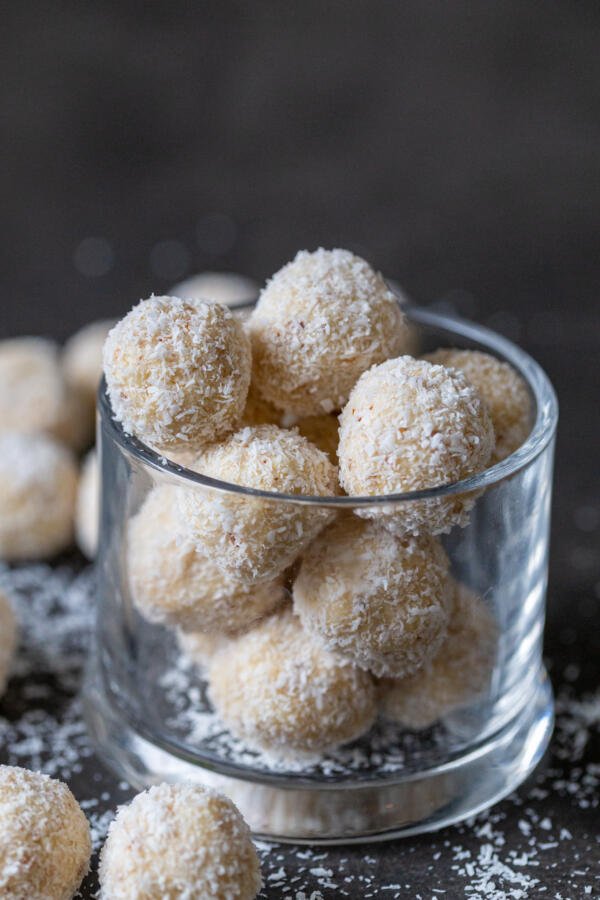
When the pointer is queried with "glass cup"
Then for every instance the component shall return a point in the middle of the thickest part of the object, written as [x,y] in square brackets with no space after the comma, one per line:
[147,706]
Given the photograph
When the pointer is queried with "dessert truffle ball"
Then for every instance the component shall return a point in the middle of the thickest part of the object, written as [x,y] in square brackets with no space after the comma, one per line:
[82,361]
[253,539]
[226,288]
[319,323]
[458,674]
[8,639]
[176,581]
[322,431]
[34,395]
[179,841]
[177,372]
[38,485]
[87,507]
[503,390]
[45,844]
[281,691]
[410,425]
[379,600]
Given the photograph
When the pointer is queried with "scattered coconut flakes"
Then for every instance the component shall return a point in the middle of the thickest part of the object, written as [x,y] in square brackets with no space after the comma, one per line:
[495,856]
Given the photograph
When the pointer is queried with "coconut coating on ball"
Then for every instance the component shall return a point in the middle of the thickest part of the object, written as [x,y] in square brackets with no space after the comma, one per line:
[409,425]
[179,841]
[319,323]
[34,394]
[8,639]
[45,843]
[175,581]
[281,691]
[458,674]
[255,539]
[177,371]
[379,600]
[38,486]
[87,506]
[502,388]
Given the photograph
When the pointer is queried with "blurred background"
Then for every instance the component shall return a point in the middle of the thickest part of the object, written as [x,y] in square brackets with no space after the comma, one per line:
[453,145]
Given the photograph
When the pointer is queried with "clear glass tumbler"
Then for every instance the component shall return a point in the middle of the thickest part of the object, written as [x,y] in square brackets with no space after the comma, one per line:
[147,707]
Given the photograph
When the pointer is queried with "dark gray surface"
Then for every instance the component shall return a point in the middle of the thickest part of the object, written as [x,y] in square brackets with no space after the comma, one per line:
[455,145]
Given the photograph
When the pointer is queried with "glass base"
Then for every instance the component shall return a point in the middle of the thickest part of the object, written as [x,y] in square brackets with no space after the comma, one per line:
[339,813]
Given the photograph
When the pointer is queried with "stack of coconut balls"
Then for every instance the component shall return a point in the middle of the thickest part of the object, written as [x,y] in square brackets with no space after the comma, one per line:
[312,395]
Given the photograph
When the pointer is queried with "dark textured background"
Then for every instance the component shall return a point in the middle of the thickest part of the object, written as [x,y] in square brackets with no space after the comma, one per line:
[454,145]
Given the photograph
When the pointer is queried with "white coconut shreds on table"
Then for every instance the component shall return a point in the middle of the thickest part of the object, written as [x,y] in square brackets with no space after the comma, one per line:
[320,322]
[177,372]
[411,425]
[512,852]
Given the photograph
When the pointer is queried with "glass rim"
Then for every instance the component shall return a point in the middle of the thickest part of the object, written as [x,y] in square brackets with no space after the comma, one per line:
[541,433]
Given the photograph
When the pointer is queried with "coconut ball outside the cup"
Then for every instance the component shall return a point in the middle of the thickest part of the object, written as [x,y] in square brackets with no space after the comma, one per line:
[227,288]
[280,691]
[8,639]
[175,581]
[34,394]
[177,372]
[45,843]
[250,538]
[457,675]
[320,322]
[379,600]
[38,487]
[87,506]
[179,841]
[502,388]
[82,361]
[410,424]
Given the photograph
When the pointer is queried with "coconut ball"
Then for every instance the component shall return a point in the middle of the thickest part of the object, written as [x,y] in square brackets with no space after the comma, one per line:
[8,639]
[410,424]
[82,362]
[502,388]
[34,395]
[38,485]
[281,691]
[380,600]
[198,647]
[177,371]
[88,506]
[322,431]
[226,288]
[252,539]
[320,322]
[179,841]
[458,674]
[45,843]
[176,581]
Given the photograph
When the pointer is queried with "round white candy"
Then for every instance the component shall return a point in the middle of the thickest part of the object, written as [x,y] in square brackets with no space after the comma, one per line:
[179,841]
